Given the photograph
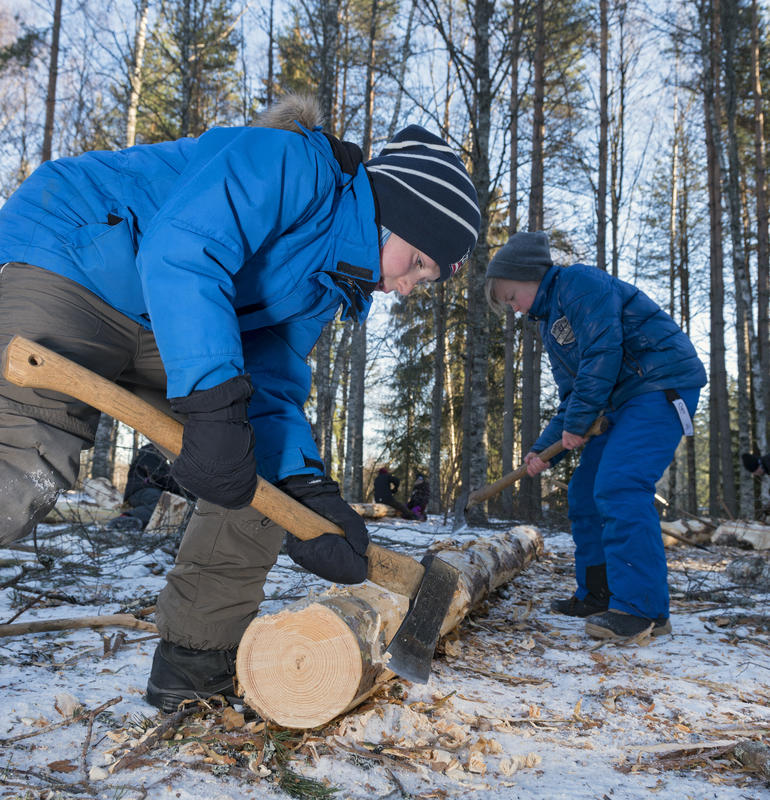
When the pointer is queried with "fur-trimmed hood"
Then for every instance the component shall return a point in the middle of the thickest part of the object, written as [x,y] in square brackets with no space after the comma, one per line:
[290,109]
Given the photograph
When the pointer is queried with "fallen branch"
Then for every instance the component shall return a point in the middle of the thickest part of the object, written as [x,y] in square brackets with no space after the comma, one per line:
[103,621]
[665,749]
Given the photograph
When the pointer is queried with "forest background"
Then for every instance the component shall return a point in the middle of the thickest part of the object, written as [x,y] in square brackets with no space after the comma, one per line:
[632,132]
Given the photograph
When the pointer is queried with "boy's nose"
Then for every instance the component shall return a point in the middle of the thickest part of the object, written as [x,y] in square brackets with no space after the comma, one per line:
[405,285]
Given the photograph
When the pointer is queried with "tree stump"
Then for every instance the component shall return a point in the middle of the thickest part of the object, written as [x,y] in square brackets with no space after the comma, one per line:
[322,656]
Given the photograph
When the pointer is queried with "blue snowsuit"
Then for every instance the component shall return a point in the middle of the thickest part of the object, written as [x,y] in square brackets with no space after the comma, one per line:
[613,350]
[235,249]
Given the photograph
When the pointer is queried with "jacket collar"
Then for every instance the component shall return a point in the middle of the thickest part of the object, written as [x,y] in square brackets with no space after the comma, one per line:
[541,302]
[354,265]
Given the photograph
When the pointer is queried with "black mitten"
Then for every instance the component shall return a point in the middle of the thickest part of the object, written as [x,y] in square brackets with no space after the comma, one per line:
[337,559]
[217,461]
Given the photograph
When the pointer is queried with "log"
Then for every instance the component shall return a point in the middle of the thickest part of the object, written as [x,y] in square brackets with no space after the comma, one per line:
[752,534]
[324,655]
[76,510]
[694,532]
[373,510]
[169,513]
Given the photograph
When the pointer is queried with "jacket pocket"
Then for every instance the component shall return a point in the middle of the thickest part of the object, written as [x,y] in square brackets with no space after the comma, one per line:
[106,254]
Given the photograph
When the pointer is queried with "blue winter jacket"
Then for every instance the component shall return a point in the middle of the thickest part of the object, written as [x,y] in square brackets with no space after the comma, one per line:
[607,342]
[235,249]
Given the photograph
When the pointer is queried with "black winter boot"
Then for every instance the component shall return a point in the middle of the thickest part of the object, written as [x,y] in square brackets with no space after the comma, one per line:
[597,599]
[619,624]
[181,673]
[596,583]
[573,607]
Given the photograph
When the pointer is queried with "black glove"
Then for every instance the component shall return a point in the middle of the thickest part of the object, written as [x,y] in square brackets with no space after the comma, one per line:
[217,461]
[330,556]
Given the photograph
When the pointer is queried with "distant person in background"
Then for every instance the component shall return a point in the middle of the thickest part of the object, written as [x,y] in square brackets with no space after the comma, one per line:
[756,465]
[385,486]
[149,475]
[418,500]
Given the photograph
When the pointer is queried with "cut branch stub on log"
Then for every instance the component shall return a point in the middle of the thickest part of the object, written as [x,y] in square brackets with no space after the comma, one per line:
[320,657]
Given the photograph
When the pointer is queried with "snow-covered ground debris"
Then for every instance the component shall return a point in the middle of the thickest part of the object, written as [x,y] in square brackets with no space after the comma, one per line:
[520,703]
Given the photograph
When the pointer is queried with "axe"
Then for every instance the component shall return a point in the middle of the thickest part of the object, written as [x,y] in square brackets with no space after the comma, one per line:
[466,500]
[430,588]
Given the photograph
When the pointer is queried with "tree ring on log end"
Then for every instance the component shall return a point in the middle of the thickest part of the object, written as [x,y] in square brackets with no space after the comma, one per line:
[301,668]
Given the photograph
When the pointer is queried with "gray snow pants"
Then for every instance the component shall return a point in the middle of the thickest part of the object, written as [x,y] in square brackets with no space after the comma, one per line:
[216,586]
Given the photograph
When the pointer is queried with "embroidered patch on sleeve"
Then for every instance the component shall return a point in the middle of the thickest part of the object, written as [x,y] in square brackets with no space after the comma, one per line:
[561,330]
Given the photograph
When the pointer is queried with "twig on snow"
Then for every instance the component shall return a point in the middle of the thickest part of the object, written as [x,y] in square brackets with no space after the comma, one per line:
[154,735]
[63,723]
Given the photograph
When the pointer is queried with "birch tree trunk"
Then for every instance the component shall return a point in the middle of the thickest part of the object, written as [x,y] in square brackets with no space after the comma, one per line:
[342,422]
[679,254]
[103,461]
[530,504]
[323,348]
[618,144]
[453,469]
[721,479]
[763,248]
[354,462]
[746,340]
[510,326]
[437,399]
[53,78]
[405,53]
[672,240]
[683,255]
[339,365]
[475,401]
[354,459]
[601,188]
[442,374]
[135,78]
[270,81]
[323,656]
[186,77]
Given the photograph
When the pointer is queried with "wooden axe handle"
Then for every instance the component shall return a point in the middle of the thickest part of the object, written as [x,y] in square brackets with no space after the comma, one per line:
[480,495]
[32,365]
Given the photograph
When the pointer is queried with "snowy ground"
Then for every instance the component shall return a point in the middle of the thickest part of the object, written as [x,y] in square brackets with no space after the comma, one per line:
[520,703]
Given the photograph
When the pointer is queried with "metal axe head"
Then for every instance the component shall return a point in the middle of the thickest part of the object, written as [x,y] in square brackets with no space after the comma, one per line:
[411,650]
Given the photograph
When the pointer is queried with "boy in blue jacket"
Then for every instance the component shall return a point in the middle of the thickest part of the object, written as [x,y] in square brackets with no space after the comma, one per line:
[612,351]
[200,274]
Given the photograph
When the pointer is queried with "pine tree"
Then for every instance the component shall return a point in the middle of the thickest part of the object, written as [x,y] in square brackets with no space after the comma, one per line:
[190,80]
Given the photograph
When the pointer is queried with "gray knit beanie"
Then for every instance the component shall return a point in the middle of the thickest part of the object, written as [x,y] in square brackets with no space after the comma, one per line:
[524,257]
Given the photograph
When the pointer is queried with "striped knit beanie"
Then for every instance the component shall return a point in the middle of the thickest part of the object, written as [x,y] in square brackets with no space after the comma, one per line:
[426,197]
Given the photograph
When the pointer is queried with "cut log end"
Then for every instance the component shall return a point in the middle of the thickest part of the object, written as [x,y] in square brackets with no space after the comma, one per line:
[297,668]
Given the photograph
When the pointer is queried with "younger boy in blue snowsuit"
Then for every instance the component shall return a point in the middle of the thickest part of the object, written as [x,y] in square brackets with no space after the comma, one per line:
[612,351]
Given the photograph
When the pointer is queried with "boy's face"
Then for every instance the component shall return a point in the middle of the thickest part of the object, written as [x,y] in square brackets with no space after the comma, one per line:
[403,266]
[519,295]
